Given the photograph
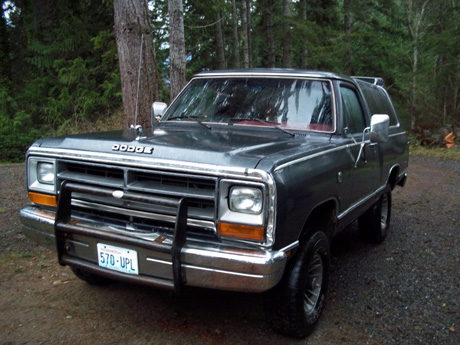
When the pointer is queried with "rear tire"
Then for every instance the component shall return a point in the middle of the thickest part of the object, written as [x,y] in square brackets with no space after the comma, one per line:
[295,304]
[91,278]
[375,222]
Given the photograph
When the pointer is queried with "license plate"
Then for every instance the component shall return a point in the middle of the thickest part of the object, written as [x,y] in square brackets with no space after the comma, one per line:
[118,259]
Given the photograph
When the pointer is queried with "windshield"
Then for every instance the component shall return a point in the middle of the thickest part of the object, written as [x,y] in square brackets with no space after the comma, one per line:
[304,104]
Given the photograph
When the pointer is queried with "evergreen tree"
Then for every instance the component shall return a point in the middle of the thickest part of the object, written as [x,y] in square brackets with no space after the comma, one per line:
[62,68]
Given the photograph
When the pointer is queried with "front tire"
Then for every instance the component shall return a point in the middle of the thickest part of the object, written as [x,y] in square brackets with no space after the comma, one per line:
[375,222]
[295,304]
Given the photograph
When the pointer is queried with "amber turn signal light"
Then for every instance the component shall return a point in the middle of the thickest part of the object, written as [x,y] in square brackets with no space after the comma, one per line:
[43,199]
[246,232]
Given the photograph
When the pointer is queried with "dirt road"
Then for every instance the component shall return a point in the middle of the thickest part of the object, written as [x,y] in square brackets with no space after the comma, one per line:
[404,291]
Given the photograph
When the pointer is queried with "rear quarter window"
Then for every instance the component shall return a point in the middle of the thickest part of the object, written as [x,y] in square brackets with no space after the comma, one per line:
[379,102]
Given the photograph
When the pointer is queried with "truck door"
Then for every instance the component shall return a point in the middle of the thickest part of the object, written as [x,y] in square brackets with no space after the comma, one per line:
[364,171]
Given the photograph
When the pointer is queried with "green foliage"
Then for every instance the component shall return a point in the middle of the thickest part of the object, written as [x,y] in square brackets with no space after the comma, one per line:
[16,129]
[64,68]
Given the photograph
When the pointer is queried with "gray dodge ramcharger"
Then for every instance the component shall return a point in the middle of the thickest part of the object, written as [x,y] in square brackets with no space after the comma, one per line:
[240,184]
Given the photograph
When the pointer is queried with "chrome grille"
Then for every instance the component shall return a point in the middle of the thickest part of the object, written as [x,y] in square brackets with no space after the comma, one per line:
[200,191]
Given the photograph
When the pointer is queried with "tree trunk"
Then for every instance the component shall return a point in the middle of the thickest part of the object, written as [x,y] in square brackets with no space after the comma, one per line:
[139,80]
[413,120]
[236,49]
[269,34]
[5,69]
[221,63]
[245,28]
[414,26]
[249,32]
[303,47]
[178,61]
[287,34]
[347,32]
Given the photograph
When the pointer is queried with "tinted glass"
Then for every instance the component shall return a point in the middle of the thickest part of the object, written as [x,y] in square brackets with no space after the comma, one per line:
[378,102]
[386,107]
[353,113]
[289,103]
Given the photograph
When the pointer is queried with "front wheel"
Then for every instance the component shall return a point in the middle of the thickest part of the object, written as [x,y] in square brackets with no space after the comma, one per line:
[375,222]
[295,304]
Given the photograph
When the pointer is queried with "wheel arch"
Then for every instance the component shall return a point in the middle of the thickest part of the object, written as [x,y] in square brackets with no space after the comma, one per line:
[393,176]
[323,216]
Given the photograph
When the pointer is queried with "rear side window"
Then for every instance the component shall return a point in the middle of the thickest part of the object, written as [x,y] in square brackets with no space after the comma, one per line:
[353,112]
[378,102]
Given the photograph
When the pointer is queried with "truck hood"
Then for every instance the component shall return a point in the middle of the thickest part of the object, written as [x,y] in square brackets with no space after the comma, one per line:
[233,148]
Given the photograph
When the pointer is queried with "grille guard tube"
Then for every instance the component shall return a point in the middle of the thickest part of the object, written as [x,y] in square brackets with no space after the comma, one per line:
[63,217]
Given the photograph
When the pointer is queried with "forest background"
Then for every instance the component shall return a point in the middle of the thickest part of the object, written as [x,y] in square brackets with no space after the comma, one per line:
[59,71]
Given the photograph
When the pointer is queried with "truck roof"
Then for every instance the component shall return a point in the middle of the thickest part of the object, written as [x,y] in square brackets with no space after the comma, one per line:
[287,72]
[280,72]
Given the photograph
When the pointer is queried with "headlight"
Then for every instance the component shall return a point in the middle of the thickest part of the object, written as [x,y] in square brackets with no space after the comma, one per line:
[45,172]
[41,175]
[246,200]
[242,213]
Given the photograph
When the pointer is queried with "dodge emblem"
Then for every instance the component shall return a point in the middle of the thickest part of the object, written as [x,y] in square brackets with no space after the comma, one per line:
[132,148]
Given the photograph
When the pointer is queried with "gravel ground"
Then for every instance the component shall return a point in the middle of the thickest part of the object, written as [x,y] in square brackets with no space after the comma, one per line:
[404,291]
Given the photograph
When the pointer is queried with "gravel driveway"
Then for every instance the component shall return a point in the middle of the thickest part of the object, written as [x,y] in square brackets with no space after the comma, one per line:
[404,291]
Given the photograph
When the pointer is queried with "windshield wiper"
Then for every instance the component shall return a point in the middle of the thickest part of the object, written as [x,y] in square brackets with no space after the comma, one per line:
[270,125]
[191,118]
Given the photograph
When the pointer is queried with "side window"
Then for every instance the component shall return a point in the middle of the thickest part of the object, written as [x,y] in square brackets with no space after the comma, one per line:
[353,112]
[379,101]
[387,107]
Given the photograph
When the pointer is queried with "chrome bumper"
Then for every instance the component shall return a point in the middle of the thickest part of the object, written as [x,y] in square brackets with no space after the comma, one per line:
[205,265]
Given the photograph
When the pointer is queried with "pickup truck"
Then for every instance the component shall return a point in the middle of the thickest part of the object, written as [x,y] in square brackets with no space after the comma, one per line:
[240,184]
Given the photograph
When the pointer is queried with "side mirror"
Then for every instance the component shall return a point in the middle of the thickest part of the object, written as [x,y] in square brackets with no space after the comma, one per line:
[379,128]
[158,110]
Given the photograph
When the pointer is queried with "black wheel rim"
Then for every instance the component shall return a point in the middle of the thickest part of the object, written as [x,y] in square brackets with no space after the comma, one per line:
[314,283]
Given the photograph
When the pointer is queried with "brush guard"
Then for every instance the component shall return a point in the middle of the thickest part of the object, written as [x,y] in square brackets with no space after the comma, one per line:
[63,226]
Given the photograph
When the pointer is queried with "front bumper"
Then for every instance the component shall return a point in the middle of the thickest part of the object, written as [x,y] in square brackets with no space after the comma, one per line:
[216,266]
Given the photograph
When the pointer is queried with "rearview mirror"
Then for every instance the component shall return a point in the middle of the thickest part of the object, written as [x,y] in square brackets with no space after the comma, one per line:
[158,110]
[379,128]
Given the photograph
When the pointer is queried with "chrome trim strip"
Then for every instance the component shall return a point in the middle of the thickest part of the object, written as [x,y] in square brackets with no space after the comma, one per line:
[159,261]
[143,214]
[78,243]
[290,246]
[224,74]
[306,158]
[397,134]
[214,270]
[360,202]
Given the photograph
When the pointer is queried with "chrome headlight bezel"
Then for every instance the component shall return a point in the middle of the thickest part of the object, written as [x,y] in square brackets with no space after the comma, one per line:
[41,175]
[229,211]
